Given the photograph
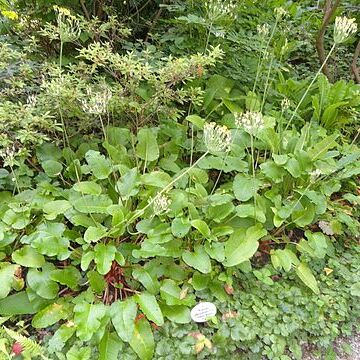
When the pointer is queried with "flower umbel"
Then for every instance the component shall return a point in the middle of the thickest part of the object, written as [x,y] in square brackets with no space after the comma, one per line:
[68,25]
[344,28]
[161,204]
[251,121]
[216,9]
[285,104]
[217,138]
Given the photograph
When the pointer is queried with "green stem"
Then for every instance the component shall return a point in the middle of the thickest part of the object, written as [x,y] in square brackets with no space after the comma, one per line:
[165,189]
[309,87]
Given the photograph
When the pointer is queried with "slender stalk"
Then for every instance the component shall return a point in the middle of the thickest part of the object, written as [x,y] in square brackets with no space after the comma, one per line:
[165,189]
[309,87]
[208,36]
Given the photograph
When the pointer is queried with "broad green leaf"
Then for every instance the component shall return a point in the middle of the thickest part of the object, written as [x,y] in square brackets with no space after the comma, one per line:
[170,292]
[198,259]
[242,245]
[86,259]
[49,240]
[54,208]
[307,277]
[90,204]
[142,341]
[88,187]
[149,306]
[156,178]
[93,234]
[150,283]
[17,304]
[52,168]
[28,257]
[41,283]
[104,255]
[88,319]
[178,314]
[123,314]
[60,337]
[68,276]
[78,353]
[50,315]
[293,167]
[303,216]
[320,149]
[147,148]
[196,120]
[7,274]
[126,186]
[180,227]
[202,227]
[109,346]
[97,281]
[99,165]
[355,289]
[245,187]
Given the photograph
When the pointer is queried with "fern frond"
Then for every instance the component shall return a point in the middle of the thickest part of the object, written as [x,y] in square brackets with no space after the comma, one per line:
[29,346]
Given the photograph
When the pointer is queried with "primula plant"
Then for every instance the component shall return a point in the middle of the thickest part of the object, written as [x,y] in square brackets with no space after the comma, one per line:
[140,179]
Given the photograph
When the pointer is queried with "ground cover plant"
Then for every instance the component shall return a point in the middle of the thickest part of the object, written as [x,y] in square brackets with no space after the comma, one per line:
[200,163]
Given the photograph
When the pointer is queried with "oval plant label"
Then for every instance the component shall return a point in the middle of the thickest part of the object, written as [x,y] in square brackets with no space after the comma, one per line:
[203,311]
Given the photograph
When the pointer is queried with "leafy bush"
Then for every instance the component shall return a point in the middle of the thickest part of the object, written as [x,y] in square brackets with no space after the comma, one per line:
[135,184]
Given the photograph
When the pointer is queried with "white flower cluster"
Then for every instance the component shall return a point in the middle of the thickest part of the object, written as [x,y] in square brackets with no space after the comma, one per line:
[68,25]
[9,155]
[217,138]
[216,9]
[285,104]
[344,28]
[161,204]
[280,12]
[96,103]
[251,121]
[263,30]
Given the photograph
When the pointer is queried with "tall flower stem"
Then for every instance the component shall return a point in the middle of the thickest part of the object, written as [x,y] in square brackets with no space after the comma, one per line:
[310,85]
[165,189]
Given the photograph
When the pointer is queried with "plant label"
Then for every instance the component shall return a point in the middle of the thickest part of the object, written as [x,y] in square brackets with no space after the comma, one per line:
[203,311]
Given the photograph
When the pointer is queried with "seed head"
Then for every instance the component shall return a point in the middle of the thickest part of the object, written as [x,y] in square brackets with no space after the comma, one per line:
[344,28]
[161,204]
[326,227]
[217,138]
[251,121]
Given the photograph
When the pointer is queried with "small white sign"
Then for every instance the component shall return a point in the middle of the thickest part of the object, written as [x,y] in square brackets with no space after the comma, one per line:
[203,311]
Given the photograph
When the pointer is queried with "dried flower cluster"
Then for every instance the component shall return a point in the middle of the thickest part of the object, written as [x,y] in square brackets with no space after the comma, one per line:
[263,30]
[326,227]
[251,121]
[216,9]
[96,103]
[161,204]
[344,28]
[217,138]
